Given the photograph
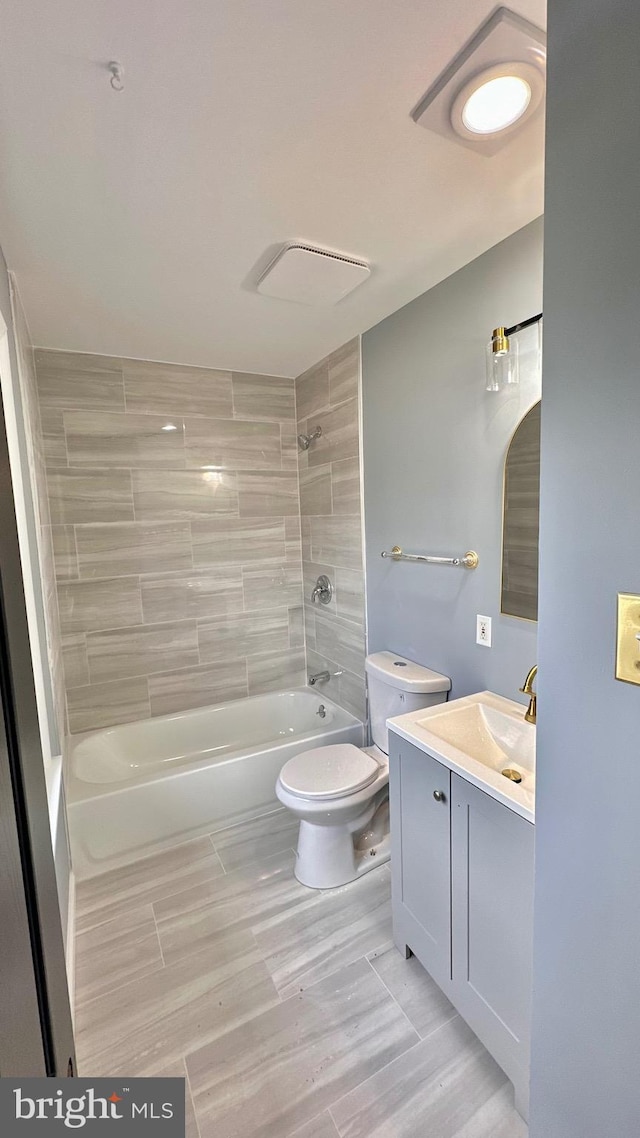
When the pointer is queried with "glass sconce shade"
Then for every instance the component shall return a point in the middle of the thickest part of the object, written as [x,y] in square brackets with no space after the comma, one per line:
[501,360]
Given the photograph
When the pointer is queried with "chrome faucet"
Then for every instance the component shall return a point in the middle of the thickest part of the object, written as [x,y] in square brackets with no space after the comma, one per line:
[527,689]
[319,678]
[322,590]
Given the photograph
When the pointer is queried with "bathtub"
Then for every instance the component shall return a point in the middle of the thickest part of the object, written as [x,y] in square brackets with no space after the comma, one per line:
[140,787]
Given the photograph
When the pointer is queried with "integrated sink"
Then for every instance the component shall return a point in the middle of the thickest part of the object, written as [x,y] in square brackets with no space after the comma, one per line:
[487,735]
[484,737]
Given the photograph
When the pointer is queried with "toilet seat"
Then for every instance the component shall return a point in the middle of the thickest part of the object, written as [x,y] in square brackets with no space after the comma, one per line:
[329,772]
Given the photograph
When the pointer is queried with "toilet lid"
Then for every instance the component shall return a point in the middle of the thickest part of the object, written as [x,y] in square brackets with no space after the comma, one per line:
[329,772]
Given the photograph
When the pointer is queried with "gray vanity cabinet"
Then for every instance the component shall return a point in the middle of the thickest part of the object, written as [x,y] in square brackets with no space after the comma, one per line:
[462,869]
[492,925]
[419,793]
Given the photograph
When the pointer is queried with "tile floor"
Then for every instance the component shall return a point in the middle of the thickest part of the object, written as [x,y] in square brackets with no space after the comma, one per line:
[288,1011]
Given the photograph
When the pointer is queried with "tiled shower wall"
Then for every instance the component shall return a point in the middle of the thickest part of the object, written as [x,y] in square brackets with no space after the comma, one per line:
[173,495]
[328,395]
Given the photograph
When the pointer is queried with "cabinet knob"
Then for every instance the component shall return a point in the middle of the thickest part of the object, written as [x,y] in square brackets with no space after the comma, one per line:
[439,795]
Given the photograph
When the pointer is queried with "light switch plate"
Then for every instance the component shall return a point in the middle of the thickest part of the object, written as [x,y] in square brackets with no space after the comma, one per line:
[628,644]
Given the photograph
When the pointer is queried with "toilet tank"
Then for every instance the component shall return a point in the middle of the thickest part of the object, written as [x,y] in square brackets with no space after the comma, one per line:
[397,686]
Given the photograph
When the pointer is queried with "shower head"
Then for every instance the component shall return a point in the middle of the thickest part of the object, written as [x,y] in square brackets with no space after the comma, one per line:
[304,441]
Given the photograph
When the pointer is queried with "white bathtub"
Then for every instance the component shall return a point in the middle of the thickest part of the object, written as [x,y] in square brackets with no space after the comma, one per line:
[140,787]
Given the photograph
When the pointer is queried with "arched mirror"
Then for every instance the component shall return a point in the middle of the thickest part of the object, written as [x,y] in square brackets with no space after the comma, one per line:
[521,509]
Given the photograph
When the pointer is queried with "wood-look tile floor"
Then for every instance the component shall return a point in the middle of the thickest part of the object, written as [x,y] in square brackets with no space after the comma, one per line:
[287,1011]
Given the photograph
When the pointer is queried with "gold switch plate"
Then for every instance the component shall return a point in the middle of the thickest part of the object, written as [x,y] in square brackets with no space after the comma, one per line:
[628,647]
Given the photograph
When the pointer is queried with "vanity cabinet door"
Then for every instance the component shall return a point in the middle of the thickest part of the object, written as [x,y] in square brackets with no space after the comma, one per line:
[419,792]
[492,925]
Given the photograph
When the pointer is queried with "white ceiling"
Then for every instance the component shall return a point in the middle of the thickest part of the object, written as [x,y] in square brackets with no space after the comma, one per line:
[137,223]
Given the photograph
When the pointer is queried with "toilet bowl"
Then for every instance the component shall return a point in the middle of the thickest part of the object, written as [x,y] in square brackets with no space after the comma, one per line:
[340,793]
[336,792]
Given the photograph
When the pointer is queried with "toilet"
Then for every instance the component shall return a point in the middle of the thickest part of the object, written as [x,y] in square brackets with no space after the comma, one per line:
[341,793]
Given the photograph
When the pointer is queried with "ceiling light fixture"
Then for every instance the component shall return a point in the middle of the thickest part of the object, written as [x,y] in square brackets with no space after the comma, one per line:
[497,104]
[492,88]
[497,100]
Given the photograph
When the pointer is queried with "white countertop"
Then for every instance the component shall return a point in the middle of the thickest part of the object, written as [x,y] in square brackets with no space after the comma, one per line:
[414,727]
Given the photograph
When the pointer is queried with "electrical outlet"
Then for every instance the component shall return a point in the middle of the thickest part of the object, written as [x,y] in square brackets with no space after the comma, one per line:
[483,631]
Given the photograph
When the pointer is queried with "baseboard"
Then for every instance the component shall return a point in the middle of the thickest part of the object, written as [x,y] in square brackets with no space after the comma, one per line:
[71,945]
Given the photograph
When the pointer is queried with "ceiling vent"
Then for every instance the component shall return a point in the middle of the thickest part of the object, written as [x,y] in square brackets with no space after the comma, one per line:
[307,275]
[492,87]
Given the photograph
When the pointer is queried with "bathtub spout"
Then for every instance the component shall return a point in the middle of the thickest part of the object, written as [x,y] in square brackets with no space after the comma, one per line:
[319,678]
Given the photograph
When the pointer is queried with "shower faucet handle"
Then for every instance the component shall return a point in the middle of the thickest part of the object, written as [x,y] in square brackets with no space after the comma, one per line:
[322,591]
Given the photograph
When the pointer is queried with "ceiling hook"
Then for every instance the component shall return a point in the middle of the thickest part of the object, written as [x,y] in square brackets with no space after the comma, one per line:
[117,75]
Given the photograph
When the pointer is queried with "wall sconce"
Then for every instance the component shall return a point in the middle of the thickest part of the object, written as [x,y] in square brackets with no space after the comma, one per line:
[502,355]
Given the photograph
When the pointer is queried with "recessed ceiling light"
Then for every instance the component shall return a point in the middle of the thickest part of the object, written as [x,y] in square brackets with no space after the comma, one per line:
[497,100]
[497,104]
[492,88]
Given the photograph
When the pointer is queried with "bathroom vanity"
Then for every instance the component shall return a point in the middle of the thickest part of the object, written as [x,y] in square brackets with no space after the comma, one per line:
[462,864]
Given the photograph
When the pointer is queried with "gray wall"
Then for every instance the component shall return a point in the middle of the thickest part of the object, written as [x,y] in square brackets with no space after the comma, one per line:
[586,1038]
[434,447]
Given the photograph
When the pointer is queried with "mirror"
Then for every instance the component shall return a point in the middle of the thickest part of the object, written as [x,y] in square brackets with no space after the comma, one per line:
[520,516]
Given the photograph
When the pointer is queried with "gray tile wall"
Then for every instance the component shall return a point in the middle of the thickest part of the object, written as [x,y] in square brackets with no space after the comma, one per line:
[175,526]
[328,395]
